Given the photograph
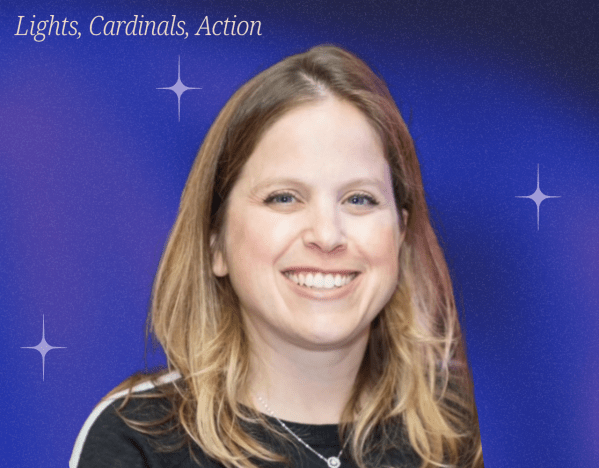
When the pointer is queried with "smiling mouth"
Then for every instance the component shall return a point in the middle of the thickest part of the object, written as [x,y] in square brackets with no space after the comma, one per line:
[319,280]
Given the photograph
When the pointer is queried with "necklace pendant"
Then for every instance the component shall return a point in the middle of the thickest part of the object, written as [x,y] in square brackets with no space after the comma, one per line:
[333,462]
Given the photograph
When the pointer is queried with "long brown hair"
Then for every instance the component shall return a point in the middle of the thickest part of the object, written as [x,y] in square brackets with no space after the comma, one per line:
[414,373]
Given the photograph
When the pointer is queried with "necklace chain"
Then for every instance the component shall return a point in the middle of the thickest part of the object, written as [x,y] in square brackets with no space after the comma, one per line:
[332,462]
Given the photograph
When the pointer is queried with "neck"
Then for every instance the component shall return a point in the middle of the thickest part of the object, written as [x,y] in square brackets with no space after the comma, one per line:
[310,386]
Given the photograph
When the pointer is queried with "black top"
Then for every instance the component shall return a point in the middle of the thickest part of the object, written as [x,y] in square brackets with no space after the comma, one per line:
[107,442]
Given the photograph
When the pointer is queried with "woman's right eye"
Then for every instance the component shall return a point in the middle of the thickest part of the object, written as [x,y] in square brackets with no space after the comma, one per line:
[284,198]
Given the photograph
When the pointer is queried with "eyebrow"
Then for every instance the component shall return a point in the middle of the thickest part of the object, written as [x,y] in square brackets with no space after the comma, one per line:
[361,181]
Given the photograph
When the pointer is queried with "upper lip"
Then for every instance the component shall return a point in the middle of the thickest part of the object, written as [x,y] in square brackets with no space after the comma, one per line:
[307,269]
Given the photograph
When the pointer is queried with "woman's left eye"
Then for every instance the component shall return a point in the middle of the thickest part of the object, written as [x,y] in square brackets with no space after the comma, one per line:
[361,199]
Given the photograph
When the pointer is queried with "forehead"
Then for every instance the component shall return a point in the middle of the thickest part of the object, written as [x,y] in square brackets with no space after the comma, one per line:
[329,139]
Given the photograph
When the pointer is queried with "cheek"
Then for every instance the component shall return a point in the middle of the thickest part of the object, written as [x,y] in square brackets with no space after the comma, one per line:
[256,238]
[380,242]
[254,244]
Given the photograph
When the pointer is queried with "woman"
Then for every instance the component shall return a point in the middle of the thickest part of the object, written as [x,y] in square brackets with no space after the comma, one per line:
[303,301]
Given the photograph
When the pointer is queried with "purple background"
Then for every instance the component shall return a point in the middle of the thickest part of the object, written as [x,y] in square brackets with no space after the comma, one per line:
[93,162]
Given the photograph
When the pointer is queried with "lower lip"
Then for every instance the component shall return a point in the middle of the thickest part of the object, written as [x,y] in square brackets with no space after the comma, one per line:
[324,294]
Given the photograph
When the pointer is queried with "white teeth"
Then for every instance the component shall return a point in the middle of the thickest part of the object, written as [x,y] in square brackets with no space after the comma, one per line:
[338,280]
[320,281]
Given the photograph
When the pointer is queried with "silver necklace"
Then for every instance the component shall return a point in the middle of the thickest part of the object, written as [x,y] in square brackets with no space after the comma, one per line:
[332,462]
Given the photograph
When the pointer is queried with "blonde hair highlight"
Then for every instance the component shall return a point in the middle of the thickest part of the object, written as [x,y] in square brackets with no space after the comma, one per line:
[414,373]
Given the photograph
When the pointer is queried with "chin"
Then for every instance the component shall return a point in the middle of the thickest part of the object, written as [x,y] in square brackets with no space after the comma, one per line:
[333,338]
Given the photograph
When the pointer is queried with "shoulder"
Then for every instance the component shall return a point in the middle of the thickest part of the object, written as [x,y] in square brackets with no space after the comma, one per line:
[105,440]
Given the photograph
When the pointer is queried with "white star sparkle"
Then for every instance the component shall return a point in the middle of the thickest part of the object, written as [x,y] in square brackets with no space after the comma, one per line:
[43,347]
[179,88]
[538,197]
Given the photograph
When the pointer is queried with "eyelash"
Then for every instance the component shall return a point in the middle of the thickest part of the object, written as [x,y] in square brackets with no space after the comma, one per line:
[271,198]
[370,199]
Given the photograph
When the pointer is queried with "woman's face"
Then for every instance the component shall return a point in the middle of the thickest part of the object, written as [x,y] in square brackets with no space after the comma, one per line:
[312,234]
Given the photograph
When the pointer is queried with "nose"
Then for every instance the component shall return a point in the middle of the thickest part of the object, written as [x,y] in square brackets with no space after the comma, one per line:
[325,230]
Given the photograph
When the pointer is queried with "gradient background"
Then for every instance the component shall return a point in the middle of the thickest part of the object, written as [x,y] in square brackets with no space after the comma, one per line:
[93,162]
